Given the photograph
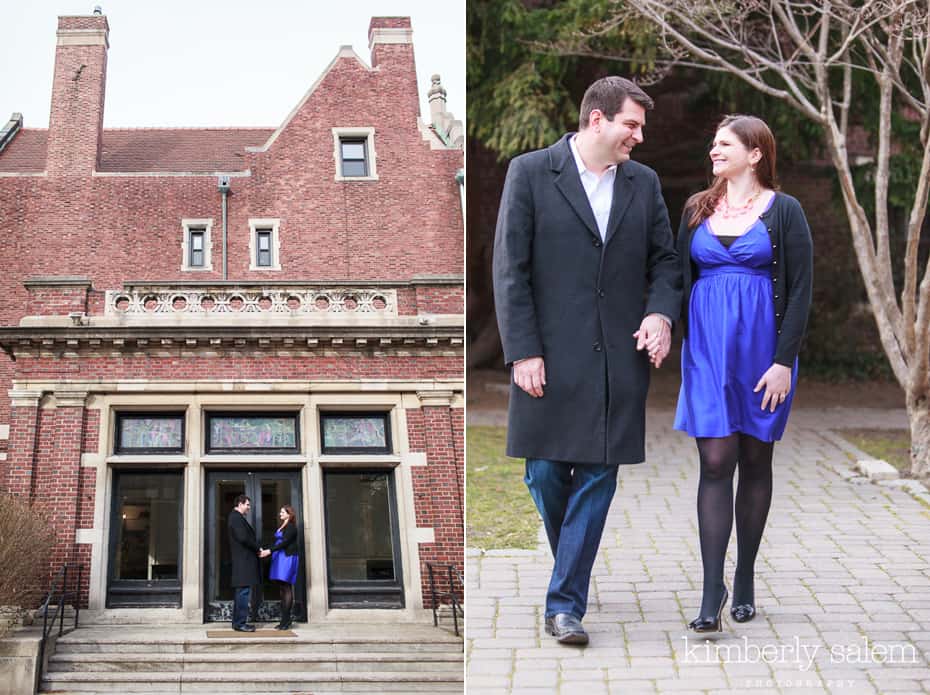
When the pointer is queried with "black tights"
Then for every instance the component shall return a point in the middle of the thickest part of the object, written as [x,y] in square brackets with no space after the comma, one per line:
[287,601]
[719,459]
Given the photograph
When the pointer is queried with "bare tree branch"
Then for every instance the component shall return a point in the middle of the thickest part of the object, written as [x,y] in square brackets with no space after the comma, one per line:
[882,167]
[655,11]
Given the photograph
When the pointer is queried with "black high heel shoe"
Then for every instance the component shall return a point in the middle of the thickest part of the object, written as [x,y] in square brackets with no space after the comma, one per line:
[743,613]
[703,624]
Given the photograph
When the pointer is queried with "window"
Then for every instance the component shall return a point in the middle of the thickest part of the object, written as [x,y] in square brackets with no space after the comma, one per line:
[362,540]
[354,161]
[195,245]
[149,433]
[354,154]
[145,539]
[264,244]
[268,433]
[355,433]
[263,248]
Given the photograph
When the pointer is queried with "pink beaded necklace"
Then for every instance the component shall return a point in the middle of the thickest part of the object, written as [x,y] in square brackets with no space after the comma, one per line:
[729,212]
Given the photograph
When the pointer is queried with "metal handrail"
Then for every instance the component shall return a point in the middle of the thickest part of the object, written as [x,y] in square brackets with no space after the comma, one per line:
[62,595]
[450,594]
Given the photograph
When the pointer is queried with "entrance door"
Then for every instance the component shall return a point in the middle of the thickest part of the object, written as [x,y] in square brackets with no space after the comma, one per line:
[269,491]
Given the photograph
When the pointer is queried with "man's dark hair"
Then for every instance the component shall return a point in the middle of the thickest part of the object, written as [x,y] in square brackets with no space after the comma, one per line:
[607,96]
[242,499]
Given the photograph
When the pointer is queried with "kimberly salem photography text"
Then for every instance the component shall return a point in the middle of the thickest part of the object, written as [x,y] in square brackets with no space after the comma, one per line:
[797,652]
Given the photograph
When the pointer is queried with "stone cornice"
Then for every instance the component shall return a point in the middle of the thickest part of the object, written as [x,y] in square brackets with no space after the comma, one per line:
[412,282]
[58,281]
[192,337]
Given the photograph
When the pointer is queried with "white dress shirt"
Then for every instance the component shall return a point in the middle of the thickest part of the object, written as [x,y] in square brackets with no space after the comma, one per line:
[600,192]
[599,189]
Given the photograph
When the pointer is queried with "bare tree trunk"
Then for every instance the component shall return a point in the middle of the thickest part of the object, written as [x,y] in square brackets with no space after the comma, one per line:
[918,412]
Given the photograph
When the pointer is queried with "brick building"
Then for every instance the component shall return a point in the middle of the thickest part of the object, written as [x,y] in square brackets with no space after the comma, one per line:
[189,314]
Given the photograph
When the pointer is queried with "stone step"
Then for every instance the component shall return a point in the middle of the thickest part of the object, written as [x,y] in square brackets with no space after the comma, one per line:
[243,682]
[74,643]
[256,662]
[316,691]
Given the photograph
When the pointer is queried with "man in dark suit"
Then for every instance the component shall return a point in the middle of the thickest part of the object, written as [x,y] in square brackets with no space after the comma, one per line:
[585,278]
[244,552]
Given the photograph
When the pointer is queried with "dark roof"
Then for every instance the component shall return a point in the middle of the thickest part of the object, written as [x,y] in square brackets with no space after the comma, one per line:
[147,149]
[25,153]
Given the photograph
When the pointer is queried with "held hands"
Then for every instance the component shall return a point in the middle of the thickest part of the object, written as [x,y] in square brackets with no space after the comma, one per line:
[264,552]
[530,375]
[777,383]
[655,335]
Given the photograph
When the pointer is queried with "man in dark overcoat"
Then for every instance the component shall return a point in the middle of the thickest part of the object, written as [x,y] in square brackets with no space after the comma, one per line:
[586,286]
[244,552]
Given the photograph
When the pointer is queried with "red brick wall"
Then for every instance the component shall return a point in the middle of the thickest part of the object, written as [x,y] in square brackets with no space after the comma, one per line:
[438,489]
[50,300]
[24,437]
[438,299]
[91,431]
[248,364]
[57,467]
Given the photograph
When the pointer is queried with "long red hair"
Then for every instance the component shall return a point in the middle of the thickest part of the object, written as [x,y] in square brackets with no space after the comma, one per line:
[753,133]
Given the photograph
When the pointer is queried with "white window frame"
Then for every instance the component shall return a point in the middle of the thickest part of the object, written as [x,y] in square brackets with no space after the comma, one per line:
[264,223]
[366,133]
[188,225]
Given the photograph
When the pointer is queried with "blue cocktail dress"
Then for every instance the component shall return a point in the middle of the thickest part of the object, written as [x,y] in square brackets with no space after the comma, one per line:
[283,567]
[731,339]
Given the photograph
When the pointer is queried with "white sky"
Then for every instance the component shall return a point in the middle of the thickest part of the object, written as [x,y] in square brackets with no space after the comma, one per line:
[215,62]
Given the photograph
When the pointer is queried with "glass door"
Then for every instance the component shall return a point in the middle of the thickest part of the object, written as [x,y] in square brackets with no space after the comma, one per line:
[269,491]
[144,569]
[362,542]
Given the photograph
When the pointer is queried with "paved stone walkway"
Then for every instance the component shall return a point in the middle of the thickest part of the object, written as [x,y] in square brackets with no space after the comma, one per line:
[843,584]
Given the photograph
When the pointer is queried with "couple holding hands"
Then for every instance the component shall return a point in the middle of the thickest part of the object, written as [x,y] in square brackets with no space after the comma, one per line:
[245,553]
[588,282]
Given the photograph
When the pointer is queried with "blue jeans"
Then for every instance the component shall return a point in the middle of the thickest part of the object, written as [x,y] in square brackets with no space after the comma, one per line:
[240,611]
[573,501]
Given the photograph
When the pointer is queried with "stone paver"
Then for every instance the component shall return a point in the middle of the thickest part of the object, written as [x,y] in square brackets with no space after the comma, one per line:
[843,583]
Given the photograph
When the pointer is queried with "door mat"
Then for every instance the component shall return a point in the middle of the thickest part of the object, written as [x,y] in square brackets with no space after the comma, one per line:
[225,634]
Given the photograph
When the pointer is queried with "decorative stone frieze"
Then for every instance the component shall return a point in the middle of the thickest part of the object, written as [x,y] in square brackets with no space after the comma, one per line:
[159,302]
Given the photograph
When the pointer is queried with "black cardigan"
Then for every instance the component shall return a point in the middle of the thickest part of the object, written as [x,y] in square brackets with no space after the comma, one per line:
[792,270]
[288,542]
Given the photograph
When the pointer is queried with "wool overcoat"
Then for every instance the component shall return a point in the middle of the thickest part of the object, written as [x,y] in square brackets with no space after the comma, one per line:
[564,294]
[243,551]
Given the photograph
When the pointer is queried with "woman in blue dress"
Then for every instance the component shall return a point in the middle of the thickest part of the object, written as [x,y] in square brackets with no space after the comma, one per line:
[746,256]
[285,560]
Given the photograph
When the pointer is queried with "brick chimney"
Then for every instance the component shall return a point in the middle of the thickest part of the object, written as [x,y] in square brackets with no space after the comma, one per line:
[76,121]
[390,40]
